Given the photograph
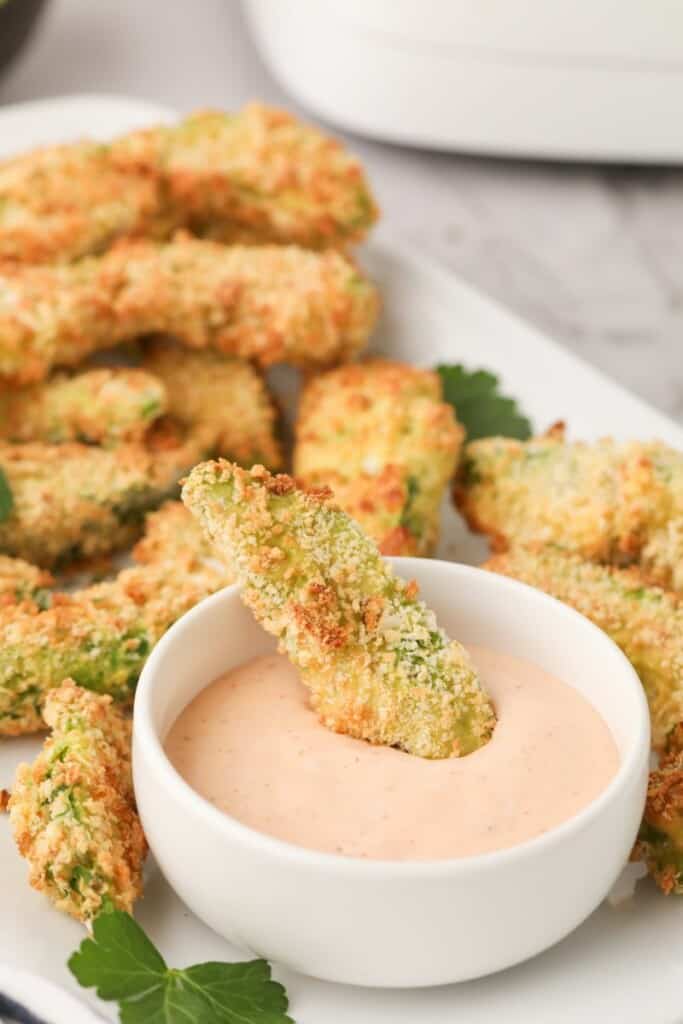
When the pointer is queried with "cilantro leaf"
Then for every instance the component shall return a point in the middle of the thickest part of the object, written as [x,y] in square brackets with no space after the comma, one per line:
[6,497]
[121,963]
[478,405]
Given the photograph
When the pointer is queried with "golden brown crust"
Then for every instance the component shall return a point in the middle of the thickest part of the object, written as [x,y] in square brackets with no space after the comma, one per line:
[605,501]
[258,176]
[645,622]
[660,840]
[226,397]
[48,198]
[377,664]
[378,434]
[107,406]
[75,501]
[270,304]
[73,811]
[101,634]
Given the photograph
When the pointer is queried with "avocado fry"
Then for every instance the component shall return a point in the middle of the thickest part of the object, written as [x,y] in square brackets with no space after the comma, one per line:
[377,664]
[101,635]
[225,396]
[660,840]
[74,501]
[258,175]
[645,621]
[378,434]
[73,812]
[106,406]
[172,534]
[270,304]
[604,501]
[20,582]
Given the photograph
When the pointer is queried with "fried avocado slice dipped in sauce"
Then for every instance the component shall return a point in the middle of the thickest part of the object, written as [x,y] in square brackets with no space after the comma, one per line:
[373,656]
[73,812]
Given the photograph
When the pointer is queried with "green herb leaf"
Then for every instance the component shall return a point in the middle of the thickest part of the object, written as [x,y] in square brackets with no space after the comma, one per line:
[121,963]
[479,407]
[6,497]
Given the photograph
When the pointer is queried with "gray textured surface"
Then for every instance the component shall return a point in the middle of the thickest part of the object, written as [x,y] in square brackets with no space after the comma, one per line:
[595,257]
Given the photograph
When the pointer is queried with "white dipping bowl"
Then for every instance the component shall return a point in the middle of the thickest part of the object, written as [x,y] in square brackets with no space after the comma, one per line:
[393,923]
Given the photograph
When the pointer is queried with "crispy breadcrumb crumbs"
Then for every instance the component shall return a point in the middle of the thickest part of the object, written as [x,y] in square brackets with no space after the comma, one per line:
[104,406]
[172,534]
[258,175]
[604,500]
[20,581]
[75,501]
[226,396]
[646,622]
[660,840]
[271,304]
[101,635]
[73,811]
[379,436]
[374,658]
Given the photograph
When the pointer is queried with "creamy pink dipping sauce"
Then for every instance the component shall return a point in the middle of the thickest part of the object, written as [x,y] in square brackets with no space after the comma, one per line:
[250,744]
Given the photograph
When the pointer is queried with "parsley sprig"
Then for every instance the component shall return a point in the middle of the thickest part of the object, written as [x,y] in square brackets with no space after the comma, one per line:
[123,965]
[479,406]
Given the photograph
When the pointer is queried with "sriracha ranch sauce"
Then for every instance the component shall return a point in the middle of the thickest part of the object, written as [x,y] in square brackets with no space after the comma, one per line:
[250,744]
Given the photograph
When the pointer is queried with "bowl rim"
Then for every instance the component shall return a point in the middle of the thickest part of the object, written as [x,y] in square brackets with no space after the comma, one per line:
[631,763]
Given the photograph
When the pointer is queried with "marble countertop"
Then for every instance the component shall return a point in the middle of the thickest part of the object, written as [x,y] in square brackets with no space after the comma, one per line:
[593,256]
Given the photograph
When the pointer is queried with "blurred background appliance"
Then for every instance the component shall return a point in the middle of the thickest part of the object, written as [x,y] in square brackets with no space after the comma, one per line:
[590,80]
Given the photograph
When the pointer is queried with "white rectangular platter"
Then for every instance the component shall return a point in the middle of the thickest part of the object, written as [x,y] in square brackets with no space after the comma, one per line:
[622,965]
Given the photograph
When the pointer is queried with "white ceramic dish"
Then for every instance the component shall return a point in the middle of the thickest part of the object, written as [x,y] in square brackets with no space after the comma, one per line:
[385,923]
[598,80]
[620,966]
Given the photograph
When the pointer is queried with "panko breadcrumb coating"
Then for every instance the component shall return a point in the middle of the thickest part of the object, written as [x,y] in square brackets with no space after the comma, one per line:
[660,840]
[20,581]
[73,811]
[380,437]
[258,174]
[603,501]
[99,636]
[662,557]
[76,501]
[271,304]
[59,203]
[172,534]
[646,622]
[226,396]
[104,406]
[377,664]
